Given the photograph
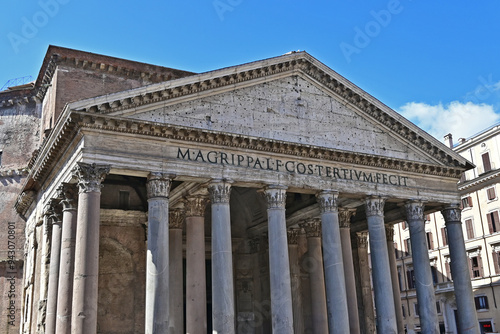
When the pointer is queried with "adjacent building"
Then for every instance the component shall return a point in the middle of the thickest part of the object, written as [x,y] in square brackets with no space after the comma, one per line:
[480,204]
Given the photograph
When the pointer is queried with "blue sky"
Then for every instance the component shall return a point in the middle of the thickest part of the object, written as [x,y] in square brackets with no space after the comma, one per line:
[435,62]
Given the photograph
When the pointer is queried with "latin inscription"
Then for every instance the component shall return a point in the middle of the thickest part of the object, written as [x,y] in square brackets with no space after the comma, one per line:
[289,166]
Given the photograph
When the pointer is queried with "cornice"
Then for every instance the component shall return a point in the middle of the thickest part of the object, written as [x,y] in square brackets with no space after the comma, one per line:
[479,180]
[294,63]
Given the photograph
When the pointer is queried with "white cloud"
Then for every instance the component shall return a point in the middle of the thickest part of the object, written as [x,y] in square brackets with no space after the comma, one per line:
[462,120]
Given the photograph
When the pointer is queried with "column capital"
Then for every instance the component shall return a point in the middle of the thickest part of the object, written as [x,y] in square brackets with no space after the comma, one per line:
[195,205]
[345,217]
[68,194]
[312,227]
[158,184]
[327,200]
[54,210]
[362,239]
[452,214]
[414,211]
[293,236]
[374,206]
[389,232]
[90,176]
[275,196]
[219,191]
[176,218]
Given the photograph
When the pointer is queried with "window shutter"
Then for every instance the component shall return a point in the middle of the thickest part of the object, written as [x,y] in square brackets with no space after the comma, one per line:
[444,236]
[470,230]
[496,259]
[476,301]
[495,221]
[480,265]
[490,222]
[448,270]
[404,225]
[486,302]
[431,242]
[471,272]
[486,162]
[469,199]
[491,193]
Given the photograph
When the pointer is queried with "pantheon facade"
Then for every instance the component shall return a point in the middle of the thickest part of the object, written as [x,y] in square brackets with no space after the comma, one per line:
[241,200]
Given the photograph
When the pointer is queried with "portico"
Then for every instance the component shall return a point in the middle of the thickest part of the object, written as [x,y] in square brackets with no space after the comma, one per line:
[233,156]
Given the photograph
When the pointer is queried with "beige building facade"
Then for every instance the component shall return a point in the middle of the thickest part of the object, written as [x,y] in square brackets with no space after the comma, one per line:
[240,200]
[480,222]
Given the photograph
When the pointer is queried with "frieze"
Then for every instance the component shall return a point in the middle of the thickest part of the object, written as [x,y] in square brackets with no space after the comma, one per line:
[90,176]
[288,166]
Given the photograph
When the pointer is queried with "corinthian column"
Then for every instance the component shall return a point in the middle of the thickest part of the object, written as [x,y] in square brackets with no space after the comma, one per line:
[68,194]
[176,221]
[157,262]
[55,251]
[381,270]
[389,231]
[279,265]
[293,252]
[222,258]
[312,228]
[350,280]
[421,264]
[196,294]
[366,288]
[84,312]
[467,317]
[336,298]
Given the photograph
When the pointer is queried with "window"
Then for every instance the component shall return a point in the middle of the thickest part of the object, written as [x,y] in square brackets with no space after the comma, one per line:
[438,307]
[442,328]
[467,202]
[404,225]
[469,228]
[496,258]
[430,242]
[493,221]
[486,162]
[481,302]
[447,268]
[400,280]
[404,311]
[434,273]
[485,326]
[410,277]
[415,308]
[490,192]
[444,235]
[407,246]
[476,267]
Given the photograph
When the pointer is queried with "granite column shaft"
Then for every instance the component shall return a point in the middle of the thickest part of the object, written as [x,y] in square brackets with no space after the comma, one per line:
[196,295]
[84,310]
[279,265]
[389,231]
[336,298]
[222,259]
[467,316]
[176,308]
[381,271]
[55,251]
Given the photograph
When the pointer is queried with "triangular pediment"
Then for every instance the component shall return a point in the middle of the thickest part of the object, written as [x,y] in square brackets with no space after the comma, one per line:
[293,98]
